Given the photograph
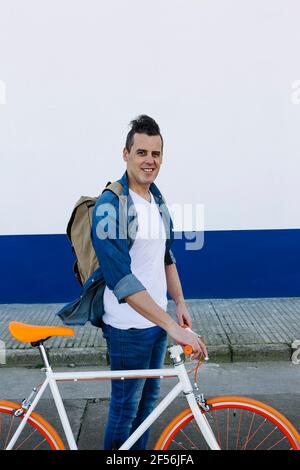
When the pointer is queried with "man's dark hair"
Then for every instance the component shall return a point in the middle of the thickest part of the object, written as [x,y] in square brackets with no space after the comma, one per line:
[143,124]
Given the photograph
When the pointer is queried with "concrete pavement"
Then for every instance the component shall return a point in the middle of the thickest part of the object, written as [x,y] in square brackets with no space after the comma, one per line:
[235,330]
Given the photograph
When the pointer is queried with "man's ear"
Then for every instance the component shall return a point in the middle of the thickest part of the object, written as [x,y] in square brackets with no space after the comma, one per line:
[125,154]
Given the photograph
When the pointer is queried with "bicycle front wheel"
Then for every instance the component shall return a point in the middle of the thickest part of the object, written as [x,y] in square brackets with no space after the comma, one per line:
[238,423]
[37,434]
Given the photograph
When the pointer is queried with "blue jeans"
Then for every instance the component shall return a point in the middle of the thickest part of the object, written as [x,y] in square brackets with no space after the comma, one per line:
[132,400]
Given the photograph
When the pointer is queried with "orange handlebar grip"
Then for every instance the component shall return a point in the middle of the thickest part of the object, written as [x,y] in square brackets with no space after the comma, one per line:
[188,350]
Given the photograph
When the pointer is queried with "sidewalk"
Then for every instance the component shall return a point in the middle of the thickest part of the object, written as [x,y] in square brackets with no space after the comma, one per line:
[235,330]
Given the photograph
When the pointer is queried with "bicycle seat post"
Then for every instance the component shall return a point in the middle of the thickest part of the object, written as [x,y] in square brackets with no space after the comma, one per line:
[40,345]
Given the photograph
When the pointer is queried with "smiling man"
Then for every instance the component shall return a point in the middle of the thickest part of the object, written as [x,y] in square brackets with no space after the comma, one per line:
[138,270]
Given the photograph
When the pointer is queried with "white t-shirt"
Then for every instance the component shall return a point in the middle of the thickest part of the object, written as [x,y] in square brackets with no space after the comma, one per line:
[147,264]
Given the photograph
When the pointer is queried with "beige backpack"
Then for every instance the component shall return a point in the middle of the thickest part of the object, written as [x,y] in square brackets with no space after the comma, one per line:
[79,234]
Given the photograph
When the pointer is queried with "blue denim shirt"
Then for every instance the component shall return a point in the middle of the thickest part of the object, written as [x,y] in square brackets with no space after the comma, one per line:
[113,232]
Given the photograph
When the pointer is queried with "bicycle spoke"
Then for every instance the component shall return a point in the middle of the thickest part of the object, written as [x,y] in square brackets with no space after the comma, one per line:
[249,430]
[189,439]
[38,445]
[276,443]
[265,438]
[179,444]
[26,439]
[227,428]
[256,431]
[9,431]
[217,427]
[238,430]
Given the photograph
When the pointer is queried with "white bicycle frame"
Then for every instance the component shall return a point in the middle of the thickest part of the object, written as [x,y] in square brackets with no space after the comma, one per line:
[183,385]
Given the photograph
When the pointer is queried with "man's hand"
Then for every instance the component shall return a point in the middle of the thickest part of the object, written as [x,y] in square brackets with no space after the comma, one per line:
[184,337]
[183,315]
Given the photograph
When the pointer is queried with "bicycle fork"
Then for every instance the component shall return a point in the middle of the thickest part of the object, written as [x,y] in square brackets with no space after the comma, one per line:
[188,391]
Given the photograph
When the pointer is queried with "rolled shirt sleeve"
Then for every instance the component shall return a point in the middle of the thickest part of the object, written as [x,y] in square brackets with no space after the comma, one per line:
[128,285]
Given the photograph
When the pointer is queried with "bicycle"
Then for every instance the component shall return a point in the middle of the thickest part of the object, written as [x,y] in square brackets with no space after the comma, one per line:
[225,422]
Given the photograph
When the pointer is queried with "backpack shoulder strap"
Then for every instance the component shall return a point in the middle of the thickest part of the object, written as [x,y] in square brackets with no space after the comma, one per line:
[114,187]
[117,189]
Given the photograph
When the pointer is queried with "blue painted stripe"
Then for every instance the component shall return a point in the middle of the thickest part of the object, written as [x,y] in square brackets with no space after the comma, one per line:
[36,269]
[231,264]
[242,263]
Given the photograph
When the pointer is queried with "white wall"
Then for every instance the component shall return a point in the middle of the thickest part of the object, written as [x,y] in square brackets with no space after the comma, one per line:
[217,75]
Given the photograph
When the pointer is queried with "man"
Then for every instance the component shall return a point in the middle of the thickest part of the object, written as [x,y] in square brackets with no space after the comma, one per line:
[138,269]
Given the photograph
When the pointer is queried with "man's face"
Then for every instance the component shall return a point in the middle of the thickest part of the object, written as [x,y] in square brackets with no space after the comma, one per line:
[144,158]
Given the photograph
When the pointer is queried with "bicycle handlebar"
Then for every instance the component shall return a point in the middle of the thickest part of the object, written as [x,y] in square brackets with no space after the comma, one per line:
[188,349]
